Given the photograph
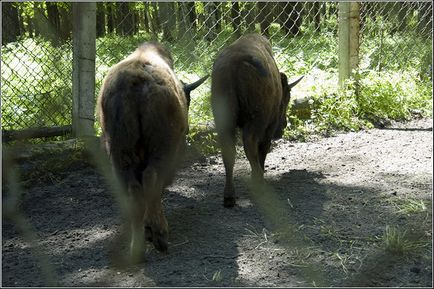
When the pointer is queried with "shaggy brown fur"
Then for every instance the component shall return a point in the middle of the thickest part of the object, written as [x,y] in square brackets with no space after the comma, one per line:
[143,114]
[248,92]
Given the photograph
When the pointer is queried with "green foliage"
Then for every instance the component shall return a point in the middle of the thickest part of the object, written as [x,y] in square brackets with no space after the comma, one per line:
[397,89]
[393,81]
[36,84]
[411,206]
[400,242]
[393,95]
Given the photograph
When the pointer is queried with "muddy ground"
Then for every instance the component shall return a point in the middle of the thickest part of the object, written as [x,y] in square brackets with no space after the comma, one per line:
[337,196]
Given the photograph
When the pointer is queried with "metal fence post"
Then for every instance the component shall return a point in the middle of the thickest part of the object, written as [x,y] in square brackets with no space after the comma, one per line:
[349,27]
[83,75]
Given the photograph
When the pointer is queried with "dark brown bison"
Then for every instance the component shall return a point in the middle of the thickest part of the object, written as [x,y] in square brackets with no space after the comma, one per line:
[248,92]
[143,114]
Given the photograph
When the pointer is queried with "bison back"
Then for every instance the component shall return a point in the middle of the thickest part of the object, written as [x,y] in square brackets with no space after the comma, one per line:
[143,115]
[246,84]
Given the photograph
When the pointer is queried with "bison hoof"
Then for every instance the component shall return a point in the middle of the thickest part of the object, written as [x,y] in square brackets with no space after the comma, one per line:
[148,234]
[161,244]
[229,202]
[159,240]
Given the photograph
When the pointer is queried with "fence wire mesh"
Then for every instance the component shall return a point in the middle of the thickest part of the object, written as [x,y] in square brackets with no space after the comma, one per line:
[37,66]
[396,35]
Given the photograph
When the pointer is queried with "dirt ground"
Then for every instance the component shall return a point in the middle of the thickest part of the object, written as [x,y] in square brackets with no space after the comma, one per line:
[336,196]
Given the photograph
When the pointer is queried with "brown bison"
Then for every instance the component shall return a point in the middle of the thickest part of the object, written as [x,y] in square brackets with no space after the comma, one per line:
[143,113]
[248,92]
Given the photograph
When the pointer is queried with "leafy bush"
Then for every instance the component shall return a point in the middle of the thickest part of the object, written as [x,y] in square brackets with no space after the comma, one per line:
[394,78]
[36,84]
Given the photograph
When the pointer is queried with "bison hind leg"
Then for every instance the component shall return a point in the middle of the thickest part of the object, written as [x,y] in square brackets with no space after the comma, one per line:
[137,217]
[227,144]
[156,227]
[251,148]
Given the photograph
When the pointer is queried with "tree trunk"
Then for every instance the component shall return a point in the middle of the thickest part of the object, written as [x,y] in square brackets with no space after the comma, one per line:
[264,17]
[65,22]
[210,21]
[110,17]
[42,26]
[146,18]
[10,23]
[53,16]
[54,23]
[168,19]
[316,14]
[125,18]
[100,19]
[218,17]
[185,25]
[236,18]
[21,27]
[191,14]
[30,26]
[250,17]
[154,19]
[293,21]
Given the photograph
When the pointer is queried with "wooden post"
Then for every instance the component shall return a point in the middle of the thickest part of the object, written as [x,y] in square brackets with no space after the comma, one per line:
[344,41]
[349,27]
[83,75]
[354,35]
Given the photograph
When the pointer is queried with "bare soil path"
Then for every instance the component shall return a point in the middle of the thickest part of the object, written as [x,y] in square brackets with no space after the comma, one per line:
[340,195]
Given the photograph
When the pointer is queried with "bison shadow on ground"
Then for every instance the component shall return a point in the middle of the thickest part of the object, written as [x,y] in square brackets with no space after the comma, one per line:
[79,228]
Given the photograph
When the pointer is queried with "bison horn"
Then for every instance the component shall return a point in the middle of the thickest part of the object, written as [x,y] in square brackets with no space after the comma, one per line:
[294,83]
[194,85]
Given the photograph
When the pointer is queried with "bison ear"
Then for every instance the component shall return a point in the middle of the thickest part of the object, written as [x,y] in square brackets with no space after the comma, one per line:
[294,83]
[189,87]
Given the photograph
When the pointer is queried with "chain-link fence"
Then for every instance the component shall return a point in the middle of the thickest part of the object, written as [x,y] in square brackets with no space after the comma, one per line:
[396,35]
[37,66]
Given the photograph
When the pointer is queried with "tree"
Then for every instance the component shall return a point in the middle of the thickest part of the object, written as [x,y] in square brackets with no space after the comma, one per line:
[10,23]
[210,20]
[168,15]
[65,10]
[110,17]
[100,19]
[264,17]
[40,21]
[292,12]
[250,16]
[236,18]
[125,18]
[155,19]
[191,14]
[53,18]
[145,18]
[185,25]
[316,15]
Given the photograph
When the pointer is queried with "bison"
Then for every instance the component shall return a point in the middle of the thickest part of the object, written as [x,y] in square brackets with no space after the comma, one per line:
[143,110]
[248,92]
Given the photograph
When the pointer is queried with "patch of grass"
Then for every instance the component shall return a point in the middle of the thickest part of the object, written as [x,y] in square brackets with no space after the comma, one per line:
[398,242]
[217,276]
[411,206]
[40,164]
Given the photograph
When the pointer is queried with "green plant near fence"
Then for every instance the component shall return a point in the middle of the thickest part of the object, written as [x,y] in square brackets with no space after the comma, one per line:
[393,80]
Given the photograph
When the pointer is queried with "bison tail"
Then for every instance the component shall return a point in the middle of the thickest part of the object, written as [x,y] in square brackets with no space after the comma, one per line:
[123,128]
[256,63]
